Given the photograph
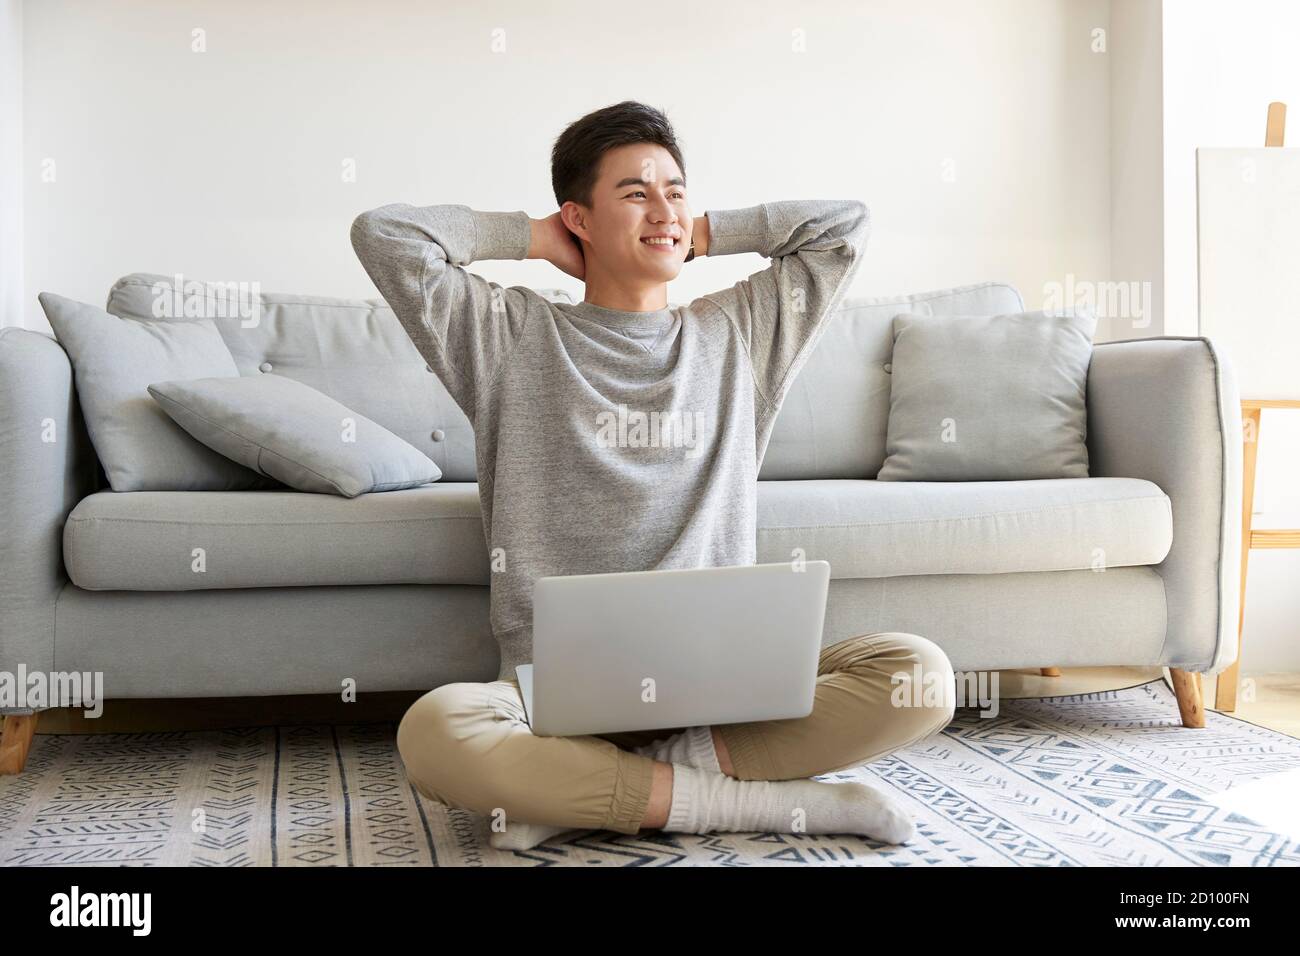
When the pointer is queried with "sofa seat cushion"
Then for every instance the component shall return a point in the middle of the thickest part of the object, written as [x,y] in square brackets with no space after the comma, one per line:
[151,540]
[433,534]
[873,529]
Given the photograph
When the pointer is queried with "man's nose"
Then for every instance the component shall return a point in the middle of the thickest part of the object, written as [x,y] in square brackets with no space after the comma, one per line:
[664,212]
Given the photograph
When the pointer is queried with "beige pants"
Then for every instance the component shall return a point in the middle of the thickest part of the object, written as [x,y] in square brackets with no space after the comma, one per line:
[468,745]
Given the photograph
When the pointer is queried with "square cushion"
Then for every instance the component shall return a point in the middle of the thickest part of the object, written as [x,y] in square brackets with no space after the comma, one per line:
[989,398]
[832,423]
[289,431]
[113,361]
[353,350]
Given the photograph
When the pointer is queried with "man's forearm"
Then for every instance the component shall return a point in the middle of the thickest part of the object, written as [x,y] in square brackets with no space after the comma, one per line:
[701,235]
[540,242]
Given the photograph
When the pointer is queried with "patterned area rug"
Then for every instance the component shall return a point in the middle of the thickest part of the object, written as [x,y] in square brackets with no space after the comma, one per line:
[1098,779]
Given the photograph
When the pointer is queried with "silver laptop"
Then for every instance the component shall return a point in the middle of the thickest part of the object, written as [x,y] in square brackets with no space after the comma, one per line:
[645,650]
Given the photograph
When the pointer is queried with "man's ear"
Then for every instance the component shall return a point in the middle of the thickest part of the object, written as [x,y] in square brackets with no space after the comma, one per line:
[574,218]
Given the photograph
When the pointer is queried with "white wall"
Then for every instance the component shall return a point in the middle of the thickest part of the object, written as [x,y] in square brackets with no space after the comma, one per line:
[1223,65]
[11,162]
[976,132]
[1136,167]
[979,133]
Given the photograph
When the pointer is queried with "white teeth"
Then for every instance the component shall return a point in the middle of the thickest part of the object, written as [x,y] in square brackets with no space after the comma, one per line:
[658,242]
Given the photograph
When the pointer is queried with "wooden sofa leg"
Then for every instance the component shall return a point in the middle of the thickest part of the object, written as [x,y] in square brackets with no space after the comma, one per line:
[16,741]
[1050,671]
[1187,688]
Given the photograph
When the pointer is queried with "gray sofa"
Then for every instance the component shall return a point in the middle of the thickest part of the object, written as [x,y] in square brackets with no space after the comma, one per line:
[1134,565]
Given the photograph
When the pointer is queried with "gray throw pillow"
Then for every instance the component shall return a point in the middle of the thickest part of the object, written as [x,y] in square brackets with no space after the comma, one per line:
[113,361]
[290,431]
[991,398]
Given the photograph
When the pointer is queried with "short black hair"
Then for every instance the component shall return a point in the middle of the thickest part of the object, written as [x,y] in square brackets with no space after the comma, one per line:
[575,157]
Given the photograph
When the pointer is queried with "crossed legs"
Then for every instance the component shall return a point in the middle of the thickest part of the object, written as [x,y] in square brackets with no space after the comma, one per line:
[469,744]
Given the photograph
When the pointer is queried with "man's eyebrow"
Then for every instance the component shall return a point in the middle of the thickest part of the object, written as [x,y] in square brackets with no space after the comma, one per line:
[634,181]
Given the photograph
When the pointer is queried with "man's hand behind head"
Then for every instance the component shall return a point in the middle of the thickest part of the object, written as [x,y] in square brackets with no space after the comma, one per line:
[552,241]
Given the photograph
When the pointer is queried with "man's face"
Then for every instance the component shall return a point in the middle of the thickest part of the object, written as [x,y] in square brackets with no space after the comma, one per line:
[640,193]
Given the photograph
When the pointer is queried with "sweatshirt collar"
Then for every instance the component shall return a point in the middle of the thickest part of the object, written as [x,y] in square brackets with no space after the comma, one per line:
[604,316]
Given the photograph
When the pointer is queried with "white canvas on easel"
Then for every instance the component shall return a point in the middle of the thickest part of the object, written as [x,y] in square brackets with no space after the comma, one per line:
[1248,246]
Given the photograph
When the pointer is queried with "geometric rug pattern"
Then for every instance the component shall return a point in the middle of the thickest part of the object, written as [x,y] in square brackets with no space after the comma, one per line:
[1101,779]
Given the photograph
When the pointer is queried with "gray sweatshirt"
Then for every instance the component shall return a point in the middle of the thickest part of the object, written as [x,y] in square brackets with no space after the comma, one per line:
[610,440]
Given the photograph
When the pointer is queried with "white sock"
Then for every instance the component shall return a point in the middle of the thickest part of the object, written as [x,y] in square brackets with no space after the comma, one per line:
[829,808]
[705,802]
[693,747]
[524,836]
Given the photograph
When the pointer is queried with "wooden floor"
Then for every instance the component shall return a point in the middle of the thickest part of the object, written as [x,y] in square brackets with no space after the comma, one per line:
[1276,704]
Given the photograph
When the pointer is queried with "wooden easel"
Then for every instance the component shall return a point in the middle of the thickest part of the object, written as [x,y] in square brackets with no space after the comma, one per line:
[1225,694]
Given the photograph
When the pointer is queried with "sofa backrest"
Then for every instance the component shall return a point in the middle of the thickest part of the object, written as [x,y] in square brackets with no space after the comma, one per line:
[832,424]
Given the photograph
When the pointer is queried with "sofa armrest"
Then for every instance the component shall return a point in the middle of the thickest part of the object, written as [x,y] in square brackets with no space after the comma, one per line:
[47,465]
[1168,410]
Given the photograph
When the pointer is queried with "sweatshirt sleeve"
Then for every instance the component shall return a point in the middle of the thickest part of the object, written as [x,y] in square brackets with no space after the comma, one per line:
[816,247]
[463,325]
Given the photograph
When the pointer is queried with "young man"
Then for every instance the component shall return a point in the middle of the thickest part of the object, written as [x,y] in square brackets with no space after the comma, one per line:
[541,382]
